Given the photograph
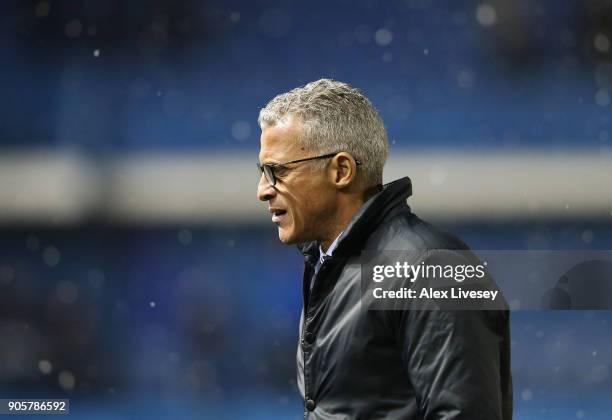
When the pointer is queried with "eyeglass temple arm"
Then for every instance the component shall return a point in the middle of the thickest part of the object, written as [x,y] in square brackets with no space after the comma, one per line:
[357,161]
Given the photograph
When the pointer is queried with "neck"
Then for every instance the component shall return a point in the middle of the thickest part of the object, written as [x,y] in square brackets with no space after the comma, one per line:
[345,211]
[327,243]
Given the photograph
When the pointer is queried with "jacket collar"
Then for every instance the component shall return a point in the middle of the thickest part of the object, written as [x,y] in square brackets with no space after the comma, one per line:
[366,219]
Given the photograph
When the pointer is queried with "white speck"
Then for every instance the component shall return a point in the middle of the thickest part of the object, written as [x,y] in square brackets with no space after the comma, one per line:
[567,207]
[387,57]
[152,304]
[426,51]
[383,37]
[527,394]
[184,237]
[486,15]
[594,353]
[51,256]
[45,367]
[96,53]
[67,292]
[587,236]
[580,414]
[234,17]
[602,97]
[42,9]
[73,28]
[241,130]
[158,93]
[601,43]
[66,380]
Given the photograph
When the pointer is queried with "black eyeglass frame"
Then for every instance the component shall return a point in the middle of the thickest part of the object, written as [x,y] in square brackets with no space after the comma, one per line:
[268,168]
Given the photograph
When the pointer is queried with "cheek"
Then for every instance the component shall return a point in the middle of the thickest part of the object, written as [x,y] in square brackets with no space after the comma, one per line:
[295,217]
[307,206]
[295,222]
[310,211]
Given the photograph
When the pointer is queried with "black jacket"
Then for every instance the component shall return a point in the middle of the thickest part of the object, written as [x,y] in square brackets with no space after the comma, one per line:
[410,365]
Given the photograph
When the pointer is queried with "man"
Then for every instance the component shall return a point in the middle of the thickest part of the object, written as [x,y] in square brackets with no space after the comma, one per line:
[323,148]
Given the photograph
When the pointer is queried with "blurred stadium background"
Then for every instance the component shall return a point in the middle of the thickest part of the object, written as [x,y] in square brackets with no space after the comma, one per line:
[140,277]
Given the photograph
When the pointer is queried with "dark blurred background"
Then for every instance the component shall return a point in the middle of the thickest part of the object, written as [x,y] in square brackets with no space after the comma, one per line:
[140,278]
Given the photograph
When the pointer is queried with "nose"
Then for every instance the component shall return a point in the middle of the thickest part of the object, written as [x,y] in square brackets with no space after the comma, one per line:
[265,191]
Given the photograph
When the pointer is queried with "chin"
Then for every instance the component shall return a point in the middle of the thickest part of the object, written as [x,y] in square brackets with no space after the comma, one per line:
[288,237]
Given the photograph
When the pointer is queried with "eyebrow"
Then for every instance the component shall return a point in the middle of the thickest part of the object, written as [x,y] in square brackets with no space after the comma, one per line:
[270,161]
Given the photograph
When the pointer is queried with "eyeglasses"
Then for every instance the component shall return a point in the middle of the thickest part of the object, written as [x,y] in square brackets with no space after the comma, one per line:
[268,168]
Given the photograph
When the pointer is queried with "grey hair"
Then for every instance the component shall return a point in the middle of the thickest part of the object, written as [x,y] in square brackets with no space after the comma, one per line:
[335,117]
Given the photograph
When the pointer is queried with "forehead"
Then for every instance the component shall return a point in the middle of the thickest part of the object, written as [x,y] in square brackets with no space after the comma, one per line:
[279,142]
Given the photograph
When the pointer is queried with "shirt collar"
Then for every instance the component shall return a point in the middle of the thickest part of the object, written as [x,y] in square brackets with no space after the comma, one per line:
[331,248]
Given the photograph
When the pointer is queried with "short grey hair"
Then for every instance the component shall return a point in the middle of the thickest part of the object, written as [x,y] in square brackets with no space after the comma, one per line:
[335,117]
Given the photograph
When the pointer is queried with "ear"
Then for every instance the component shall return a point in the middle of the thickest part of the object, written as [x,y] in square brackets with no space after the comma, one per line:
[343,170]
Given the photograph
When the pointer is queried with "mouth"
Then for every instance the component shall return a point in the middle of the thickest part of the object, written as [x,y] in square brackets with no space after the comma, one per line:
[277,214]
